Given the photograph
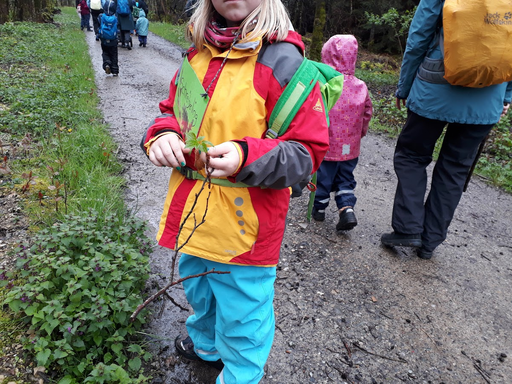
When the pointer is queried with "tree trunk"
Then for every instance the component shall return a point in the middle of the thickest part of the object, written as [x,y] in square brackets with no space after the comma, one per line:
[315,52]
[4,11]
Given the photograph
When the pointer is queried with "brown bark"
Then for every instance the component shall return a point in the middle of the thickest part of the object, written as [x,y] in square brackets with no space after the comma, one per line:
[4,11]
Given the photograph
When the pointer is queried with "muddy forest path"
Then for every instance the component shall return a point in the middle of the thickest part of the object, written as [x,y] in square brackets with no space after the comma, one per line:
[347,309]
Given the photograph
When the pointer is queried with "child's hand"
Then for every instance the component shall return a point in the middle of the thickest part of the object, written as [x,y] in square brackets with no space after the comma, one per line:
[168,151]
[224,159]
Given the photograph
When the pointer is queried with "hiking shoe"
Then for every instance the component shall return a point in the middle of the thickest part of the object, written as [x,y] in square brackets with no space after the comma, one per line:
[107,69]
[424,254]
[185,347]
[347,219]
[318,215]
[394,239]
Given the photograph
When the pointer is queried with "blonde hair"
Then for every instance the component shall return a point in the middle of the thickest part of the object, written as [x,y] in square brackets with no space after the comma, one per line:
[271,15]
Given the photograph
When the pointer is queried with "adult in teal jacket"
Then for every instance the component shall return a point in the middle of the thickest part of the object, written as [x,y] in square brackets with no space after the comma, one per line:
[432,104]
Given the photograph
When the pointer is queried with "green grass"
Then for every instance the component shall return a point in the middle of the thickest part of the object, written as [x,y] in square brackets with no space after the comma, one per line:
[170,32]
[377,78]
[48,97]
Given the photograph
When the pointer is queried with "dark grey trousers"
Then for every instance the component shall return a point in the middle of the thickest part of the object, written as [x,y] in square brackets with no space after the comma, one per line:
[413,153]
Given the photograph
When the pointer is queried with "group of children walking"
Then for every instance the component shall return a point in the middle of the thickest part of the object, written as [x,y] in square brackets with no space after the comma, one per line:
[114,21]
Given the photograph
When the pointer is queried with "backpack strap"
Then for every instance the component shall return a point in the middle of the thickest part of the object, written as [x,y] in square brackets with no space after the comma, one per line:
[192,174]
[292,98]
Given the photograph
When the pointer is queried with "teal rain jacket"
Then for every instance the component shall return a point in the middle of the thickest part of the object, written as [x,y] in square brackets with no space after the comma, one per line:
[142,24]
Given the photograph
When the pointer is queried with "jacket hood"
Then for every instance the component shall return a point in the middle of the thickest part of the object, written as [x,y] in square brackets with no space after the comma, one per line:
[293,38]
[142,13]
[340,52]
[110,7]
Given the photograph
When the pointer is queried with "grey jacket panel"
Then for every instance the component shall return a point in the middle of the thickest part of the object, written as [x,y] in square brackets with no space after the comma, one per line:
[285,165]
[284,59]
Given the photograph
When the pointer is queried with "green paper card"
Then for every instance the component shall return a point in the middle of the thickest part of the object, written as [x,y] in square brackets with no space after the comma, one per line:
[190,103]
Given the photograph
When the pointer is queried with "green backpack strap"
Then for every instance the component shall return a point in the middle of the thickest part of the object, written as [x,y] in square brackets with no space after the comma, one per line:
[292,98]
[297,91]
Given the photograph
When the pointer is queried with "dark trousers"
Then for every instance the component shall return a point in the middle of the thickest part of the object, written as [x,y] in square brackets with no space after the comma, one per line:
[143,40]
[125,37]
[109,55]
[95,20]
[413,153]
[84,22]
[337,177]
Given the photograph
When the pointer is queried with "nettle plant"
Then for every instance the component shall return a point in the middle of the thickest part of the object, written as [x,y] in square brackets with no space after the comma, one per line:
[77,286]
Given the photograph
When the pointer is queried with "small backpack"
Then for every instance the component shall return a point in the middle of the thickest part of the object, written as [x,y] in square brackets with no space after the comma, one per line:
[123,8]
[300,86]
[477,51]
[96,5]
[135,12]
[108,27]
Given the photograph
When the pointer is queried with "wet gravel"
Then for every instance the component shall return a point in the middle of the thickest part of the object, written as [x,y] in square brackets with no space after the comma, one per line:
[347,309]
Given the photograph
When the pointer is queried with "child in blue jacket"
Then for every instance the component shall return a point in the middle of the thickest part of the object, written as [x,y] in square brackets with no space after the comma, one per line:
[142,28]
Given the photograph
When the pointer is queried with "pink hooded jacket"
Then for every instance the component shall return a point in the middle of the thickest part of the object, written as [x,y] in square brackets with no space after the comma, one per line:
[351,114]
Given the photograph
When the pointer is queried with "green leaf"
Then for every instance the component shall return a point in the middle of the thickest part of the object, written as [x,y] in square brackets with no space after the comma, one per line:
[49,326]
[76,298]
[107,357]
[79,344]
[98,339]
[135,364]
[67,380]
[15,305]
[117,348]
[135,348]
[81,367]
[30,310]
[121,317]
[58,354]
[121,375]
[42,357]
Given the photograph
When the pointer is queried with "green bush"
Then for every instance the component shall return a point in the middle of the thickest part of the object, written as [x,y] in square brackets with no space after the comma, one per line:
[78,285]
[386,116]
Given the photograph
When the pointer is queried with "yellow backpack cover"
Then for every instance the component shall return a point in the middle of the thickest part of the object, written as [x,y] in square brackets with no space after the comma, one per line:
[477,42]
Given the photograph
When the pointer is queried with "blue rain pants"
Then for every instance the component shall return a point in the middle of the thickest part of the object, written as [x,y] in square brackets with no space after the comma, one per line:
[337,177]
[233,316]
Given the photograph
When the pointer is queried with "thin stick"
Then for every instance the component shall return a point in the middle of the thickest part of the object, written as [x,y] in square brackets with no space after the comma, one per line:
[399,360]
[164,289]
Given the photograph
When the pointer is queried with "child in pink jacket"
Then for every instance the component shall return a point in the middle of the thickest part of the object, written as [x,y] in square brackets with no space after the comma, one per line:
[349,120]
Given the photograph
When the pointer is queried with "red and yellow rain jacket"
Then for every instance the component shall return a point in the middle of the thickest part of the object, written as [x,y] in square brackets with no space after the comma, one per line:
[243,225]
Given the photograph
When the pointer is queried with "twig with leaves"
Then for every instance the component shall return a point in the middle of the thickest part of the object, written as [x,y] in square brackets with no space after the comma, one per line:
[200,145]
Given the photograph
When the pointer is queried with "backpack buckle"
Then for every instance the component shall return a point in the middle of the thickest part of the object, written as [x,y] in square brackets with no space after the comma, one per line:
[189,173]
